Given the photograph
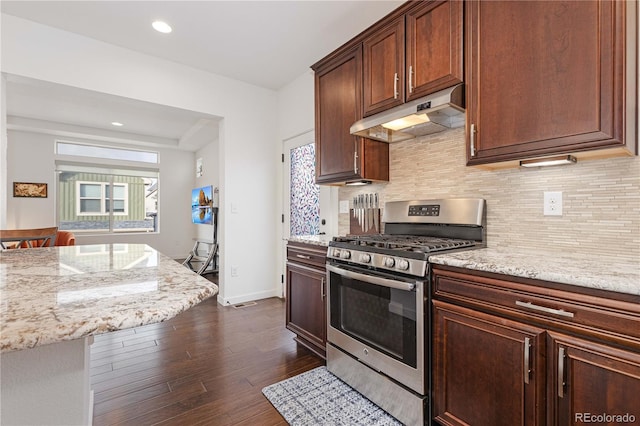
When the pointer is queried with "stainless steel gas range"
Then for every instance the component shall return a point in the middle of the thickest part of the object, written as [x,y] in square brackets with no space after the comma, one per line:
[379,303]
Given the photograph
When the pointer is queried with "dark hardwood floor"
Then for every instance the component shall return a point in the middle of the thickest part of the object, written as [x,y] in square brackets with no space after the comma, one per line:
[206,366]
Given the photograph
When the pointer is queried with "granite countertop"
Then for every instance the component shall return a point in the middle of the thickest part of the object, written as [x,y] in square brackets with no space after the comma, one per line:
[316,240]
[593,271]
[54,294]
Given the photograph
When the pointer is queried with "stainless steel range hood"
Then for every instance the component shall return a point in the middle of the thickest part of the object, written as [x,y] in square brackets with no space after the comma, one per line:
[431,114]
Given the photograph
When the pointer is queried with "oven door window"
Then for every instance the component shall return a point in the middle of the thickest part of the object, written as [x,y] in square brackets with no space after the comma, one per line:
[381,317]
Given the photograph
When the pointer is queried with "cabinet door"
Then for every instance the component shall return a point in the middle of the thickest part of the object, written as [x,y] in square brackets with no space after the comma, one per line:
[543,77]
[383,79]
[487,370]
[341,157]
[338,101]
[306,309]
[434,47]
[587,380]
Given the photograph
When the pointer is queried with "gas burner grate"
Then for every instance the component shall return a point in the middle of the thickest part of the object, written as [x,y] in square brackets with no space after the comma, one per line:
[414,243]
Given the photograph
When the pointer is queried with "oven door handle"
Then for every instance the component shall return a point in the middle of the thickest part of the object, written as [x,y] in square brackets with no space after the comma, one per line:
[385,282]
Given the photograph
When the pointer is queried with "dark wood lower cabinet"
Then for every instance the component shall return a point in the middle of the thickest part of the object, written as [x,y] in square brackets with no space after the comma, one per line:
[487,370]
[516,351]
[592,383]
[306,301]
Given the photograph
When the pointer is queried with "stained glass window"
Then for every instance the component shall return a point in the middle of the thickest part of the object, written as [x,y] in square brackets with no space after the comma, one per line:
[305,194]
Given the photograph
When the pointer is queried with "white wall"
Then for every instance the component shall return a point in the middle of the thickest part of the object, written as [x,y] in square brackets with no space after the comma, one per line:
[249,150]
[210,176]
[3,152]
[296,106]
[295,117]
[30,159]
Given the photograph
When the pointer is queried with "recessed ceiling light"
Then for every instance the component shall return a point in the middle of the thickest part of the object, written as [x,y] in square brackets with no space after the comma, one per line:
[117,124]
[162,27]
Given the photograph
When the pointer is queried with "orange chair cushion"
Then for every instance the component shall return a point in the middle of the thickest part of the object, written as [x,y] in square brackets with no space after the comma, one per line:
[63,238]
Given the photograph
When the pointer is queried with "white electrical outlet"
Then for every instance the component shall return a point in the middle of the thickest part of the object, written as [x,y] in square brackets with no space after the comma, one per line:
[553,203]
[344,206]
[234,271]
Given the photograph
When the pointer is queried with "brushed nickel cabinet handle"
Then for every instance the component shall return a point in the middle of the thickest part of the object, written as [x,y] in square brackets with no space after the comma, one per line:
[322,292]
[530,305]
[355,162]
[410,78]
[302,256]
[395,86]
[561,382]
[527,363]
[472,139]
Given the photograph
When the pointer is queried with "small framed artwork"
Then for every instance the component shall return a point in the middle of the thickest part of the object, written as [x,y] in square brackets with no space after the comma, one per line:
[30,190]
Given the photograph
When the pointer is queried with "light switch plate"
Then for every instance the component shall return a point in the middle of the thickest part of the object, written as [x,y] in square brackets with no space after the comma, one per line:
[344,206]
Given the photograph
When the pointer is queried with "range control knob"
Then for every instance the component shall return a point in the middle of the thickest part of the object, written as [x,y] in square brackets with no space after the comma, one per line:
[389,262]
[336,253]
[346,254]
[403,264]
[365,257]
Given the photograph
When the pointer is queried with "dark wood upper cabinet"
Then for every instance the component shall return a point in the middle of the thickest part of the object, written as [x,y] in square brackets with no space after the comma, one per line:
[338,105]
[413,55]
[434,50]
[547,77]
[384,68]
[340,156]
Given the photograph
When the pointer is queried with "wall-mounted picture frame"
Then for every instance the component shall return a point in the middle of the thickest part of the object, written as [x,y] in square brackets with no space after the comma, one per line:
[30,190]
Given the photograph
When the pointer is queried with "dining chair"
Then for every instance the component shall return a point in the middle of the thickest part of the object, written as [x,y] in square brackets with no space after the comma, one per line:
[41,237]
[65,238]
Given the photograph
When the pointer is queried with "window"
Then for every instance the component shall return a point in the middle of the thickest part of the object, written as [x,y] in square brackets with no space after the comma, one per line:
[94,198]
[304,197]
[105,194]
[94,151]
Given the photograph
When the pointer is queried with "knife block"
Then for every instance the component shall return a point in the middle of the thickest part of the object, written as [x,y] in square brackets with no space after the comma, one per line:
[356,228]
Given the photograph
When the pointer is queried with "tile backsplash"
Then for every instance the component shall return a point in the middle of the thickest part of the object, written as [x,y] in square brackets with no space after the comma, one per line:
[601,198]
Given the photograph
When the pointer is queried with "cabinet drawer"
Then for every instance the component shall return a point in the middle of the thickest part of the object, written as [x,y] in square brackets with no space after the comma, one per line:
[553,307]
[307,254]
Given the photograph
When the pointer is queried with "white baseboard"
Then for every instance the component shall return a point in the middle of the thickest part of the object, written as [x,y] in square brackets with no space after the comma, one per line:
[228,301]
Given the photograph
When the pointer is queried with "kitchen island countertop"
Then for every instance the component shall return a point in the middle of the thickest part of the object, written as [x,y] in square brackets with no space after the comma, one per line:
[55,294]
[55,299]
[593,271]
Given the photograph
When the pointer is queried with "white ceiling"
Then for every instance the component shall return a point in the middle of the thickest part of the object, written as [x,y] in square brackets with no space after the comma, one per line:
[264,43]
